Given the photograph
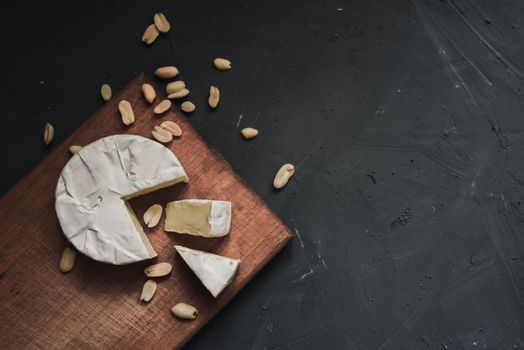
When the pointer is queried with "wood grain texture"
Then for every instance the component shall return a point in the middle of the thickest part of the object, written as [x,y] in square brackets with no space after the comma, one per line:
[97,305]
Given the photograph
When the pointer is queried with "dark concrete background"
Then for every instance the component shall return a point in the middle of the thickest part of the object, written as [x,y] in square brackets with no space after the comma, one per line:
[404,119]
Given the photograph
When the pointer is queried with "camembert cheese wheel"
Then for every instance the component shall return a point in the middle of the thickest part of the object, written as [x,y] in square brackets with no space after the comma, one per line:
[94,188]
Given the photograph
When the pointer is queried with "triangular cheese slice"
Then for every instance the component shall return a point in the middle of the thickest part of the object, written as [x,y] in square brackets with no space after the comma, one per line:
[214,271]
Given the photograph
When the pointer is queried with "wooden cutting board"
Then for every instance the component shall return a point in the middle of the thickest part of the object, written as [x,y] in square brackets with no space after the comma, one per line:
[97,305]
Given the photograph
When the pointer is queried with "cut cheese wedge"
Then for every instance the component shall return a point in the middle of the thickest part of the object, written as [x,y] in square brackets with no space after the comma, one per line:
[214,271]
[199,217]
[93,190]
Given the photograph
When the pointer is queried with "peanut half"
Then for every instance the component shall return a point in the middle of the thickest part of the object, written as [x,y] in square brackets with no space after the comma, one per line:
[249,133]
[166,72]
[105,91]
[162,107]
[149,92]
[179,94]
[184,311]
[161,134]
[67,261]
[171,127]
[283,175]
[152,215]
[49,133]
[222,64]
[161,22]
[74,148]
[214,96]
[187,107]
[150,34]
[126,112]
[148,291]
[175,86]
[158,270]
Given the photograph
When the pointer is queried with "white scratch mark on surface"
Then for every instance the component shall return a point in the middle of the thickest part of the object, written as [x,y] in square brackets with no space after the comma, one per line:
[307,274]
[239,119]
[299,237]
[508,64]
[297,232]
[301,338]
[380,110]
[322,260]
[473,185]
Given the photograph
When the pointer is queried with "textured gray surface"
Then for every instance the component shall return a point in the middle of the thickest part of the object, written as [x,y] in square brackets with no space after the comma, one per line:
[405,120]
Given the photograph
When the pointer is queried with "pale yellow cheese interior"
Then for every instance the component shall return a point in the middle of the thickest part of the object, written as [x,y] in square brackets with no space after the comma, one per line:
[140,230]
[187,217]
[135,219]
[184,179]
